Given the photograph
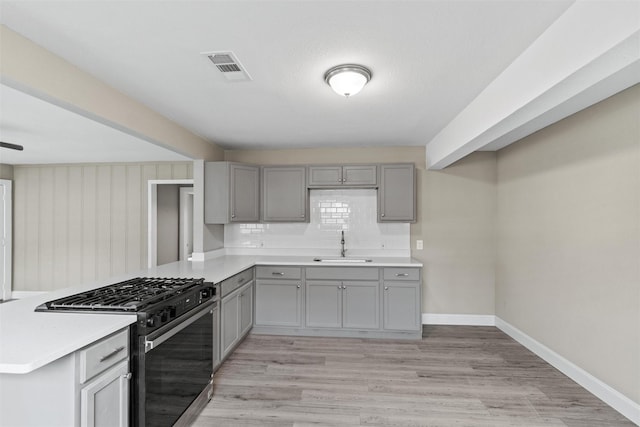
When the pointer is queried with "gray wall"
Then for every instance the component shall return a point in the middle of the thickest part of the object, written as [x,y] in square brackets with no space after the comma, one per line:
[78,223]
[568,271]
[168,223]
[6,171]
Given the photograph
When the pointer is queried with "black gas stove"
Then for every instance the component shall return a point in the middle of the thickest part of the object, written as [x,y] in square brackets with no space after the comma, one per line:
[173,342]
[157,301]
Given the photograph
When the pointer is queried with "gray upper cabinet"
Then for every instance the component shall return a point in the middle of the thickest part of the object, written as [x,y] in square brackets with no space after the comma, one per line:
[231,193]
[341,176]
[397,193]
[284,194]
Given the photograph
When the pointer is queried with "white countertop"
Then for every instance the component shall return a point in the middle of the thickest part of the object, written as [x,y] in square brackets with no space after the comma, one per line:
[30,340]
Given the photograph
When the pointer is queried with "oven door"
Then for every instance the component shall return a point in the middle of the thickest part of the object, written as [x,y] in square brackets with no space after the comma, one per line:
[178,366]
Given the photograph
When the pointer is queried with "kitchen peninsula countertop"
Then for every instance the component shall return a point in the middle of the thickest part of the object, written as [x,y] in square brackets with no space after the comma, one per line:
[30,340]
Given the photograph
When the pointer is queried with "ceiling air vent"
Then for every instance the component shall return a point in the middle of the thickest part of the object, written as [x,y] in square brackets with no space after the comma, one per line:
[228,65]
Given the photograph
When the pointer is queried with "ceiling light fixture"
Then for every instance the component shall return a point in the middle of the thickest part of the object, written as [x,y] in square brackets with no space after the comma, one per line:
[347,79]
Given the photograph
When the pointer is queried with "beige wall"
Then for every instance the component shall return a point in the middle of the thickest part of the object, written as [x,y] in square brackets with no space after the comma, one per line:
[77,223]
[32,69]
[456,219]
[568,271]
[6,171]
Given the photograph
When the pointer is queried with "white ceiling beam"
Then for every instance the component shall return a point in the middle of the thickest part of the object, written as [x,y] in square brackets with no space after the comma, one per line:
[590,53]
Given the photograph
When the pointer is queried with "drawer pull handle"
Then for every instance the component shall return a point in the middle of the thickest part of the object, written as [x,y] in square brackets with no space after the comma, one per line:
[277,273]
[386,288]
[298,286]
[113,353]
[127,377]
[402,274]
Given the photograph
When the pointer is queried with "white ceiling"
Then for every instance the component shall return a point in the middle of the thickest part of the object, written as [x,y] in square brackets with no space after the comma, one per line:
[51,134]
[429,59]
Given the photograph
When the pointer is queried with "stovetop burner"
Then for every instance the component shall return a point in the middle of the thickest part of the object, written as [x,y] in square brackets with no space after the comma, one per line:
[129,296]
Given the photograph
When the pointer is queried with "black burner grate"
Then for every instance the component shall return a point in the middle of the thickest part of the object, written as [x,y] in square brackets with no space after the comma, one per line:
[128,296]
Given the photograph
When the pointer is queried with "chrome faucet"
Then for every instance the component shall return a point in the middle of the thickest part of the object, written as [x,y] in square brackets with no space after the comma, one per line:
[343,251]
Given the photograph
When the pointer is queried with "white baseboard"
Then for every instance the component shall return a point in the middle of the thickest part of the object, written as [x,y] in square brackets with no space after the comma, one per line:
[459,319]
[610,396]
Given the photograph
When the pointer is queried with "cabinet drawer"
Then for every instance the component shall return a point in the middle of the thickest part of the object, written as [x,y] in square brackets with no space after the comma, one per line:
[402,273]
[275,272]
[103,354]
[342,273]
[234,282]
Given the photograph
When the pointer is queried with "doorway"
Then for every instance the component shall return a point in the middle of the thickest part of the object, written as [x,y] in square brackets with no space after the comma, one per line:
[170,221]
[5,239]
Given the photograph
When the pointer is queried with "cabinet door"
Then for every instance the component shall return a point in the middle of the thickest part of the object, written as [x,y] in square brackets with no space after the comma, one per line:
[245,193]
[324,304]
[360,305]
[359,175]
[325,176]
[216,337]
[105,400]
[230,328]
[402,306]
[278,303]
[246,308]
[397,193]
[284,194]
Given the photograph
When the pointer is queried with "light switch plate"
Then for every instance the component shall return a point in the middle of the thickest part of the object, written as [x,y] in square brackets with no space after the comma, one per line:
[419,244]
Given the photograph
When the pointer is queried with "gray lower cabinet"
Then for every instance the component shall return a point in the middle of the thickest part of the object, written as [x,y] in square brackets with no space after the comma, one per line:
[236,311]
[104,401]
[278,302]
[342,176]
[231,193]
[342,304]
[89,387]
[397,193]
[352,301]
[401,299]
[217,357]
[284,194]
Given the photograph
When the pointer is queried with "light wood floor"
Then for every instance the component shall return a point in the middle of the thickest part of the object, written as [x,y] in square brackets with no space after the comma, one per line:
[454,376]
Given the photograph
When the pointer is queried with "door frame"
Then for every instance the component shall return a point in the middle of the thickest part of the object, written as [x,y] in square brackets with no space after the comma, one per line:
[152,216]
[186,222]
[6,261]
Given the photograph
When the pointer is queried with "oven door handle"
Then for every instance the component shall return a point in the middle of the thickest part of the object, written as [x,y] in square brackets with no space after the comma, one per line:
[150,344]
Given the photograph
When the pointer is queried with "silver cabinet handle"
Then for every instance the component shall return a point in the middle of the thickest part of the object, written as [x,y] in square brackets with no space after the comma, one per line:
[298,286]
[233,215]
[344,287]
[382,215]
[386,288]
[113,353]
[127,377]
[402,274]
[277,273]
[339,286]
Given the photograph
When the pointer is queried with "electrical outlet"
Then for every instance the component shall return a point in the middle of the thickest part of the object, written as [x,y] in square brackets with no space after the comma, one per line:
[419,245]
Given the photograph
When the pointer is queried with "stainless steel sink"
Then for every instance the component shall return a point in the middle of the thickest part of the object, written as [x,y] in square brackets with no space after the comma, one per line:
[342,260]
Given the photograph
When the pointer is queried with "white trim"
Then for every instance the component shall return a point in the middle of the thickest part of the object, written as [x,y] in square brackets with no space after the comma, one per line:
[186,223]
[459,319]
[6,261]
[606,393]
[152,216]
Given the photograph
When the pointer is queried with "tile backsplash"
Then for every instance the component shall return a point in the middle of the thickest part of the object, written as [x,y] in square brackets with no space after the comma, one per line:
[332,211]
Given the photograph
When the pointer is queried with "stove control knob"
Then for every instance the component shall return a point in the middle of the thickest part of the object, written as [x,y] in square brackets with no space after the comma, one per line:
[164,316]
[151,321]
[172,312]
[205,293]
